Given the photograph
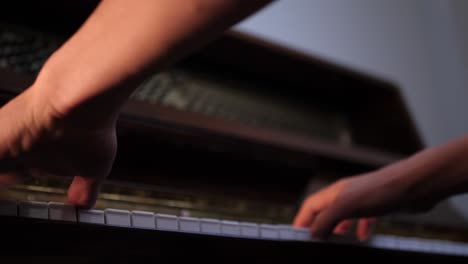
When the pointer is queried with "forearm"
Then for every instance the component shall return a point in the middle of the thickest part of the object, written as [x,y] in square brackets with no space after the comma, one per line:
[435,173]
[96,70]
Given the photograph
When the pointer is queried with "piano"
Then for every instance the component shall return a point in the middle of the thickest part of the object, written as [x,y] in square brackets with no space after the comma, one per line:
[215,156]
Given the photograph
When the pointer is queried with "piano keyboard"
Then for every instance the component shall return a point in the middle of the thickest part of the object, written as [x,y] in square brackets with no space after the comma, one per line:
[214,227]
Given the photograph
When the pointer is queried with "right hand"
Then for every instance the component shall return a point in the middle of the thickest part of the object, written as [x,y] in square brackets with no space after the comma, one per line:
[37,139]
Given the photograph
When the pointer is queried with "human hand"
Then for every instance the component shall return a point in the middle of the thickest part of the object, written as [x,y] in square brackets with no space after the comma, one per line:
[36,139]
[363,197]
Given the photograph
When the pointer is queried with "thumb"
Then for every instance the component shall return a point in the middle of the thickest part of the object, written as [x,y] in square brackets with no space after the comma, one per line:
[84,191]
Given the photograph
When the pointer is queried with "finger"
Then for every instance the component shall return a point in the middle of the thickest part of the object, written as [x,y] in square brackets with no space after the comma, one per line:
[343,227]
[327,220]
[309,209]
[365,228]
[83,191]
[305,216]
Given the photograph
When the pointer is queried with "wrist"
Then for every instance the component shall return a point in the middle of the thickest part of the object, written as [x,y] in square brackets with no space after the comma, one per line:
[52,107]
[62,100]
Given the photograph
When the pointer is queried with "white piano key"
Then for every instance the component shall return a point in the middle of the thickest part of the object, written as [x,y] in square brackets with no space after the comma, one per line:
[115,217]
[384,241]
[419,245]
[425,246]
[142,219]
[167,222]
[461,249]
[62,212]
[231,228]
[31,209]
[449,247]
[302,234]
[411,244]
[8,207]
[458,248]
[91,216]
[189,224]
[437,247]
[210,226]
[286,232]
[269,231]
[249,229]
[403,243]
[446,247]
